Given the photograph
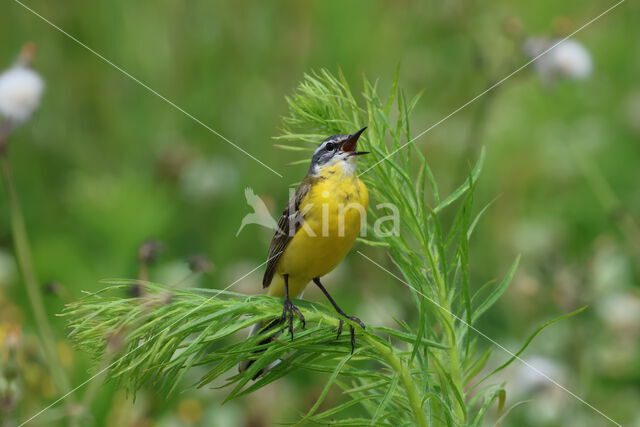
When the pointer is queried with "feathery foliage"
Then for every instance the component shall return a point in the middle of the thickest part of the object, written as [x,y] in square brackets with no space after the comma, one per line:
[422,373]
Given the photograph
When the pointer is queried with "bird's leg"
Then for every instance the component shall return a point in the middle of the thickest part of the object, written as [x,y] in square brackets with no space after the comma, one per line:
[342,313]
[288,309]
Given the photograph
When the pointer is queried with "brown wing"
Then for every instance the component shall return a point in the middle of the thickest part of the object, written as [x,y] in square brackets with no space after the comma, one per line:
[290,217]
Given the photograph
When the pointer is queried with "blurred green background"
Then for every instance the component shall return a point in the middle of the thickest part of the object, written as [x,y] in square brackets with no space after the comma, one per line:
[105,164]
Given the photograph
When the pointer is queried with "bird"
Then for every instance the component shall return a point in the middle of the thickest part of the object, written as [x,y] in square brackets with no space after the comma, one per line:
[316,230]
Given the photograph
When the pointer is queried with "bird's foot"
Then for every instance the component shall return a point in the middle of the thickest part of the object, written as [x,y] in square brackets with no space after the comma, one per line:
[352,330]
[288,309]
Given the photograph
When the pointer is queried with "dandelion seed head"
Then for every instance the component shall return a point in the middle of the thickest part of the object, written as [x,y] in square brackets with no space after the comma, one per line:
[20,92]
[558,59]
[571,59]
[621,312]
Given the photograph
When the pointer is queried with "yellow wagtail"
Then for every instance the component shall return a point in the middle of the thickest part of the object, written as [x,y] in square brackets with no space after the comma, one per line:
[317,228]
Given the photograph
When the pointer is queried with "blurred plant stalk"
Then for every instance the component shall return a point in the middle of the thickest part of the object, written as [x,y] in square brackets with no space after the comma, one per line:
[23,253]
[615,210]
[27,270]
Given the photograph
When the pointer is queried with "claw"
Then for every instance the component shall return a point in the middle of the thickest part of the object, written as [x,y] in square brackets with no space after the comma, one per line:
[299,314]
[358,321]
[288,309]
[352,330]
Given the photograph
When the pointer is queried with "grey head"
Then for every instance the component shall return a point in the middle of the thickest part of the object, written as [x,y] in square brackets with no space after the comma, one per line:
[335,148]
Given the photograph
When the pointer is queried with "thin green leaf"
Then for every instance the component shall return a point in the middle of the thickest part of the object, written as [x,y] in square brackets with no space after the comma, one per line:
[411,338]
[531,337]
[460,191]
[497,292]
[328,386]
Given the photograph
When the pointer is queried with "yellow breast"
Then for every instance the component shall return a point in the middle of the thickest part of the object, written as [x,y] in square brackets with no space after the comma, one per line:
[334,210]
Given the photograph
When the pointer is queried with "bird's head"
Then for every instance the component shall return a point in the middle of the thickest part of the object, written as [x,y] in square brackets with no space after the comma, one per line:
[337,150]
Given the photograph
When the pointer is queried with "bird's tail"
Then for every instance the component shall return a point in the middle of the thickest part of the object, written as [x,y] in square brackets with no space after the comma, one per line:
[244,365]
[255,329]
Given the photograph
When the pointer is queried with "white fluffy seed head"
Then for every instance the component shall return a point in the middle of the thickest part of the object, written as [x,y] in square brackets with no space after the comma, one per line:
[20,92]
[572,59]
[559,59]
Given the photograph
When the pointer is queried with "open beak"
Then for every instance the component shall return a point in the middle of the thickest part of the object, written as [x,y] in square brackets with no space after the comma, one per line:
[349,146]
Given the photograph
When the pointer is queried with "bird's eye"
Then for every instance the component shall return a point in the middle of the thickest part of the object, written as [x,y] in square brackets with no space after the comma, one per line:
[330,146]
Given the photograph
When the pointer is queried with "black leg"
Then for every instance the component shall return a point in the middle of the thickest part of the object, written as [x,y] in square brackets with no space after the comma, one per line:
[288,309]
[342,313]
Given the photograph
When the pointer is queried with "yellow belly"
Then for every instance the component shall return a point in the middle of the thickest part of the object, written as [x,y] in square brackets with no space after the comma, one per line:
[333,212]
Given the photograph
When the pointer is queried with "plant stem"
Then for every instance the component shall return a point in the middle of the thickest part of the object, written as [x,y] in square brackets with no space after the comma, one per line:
[449,318]
[448,322]
[407,380]
[454,359]
[610,202]
[394,361]
[25,263]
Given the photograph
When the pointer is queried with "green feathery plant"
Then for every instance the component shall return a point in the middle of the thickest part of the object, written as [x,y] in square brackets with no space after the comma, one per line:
[428,371]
